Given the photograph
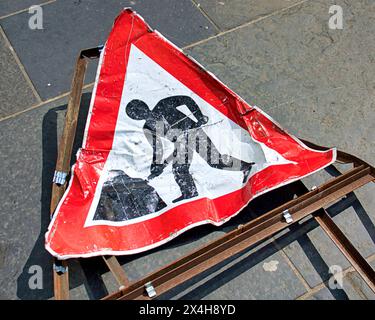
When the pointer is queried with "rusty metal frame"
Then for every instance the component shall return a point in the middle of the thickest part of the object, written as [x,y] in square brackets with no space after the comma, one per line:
[309,203]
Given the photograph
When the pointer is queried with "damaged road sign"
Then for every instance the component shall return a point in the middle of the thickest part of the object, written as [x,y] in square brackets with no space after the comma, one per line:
[167,147]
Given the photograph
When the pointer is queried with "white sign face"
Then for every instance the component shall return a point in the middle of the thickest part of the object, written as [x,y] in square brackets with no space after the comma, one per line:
[133,154]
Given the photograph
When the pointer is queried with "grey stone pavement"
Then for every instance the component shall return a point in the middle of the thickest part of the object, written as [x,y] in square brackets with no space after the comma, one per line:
[280,55]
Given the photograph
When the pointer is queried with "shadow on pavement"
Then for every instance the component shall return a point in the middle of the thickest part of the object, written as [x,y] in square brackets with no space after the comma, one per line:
[39,256]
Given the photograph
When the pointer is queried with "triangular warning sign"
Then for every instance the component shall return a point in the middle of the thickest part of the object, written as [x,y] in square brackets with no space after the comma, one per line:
[167,147]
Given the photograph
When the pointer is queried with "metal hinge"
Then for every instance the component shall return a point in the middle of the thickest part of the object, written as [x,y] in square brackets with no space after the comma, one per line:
[150,290]
[59,177]
[287,216]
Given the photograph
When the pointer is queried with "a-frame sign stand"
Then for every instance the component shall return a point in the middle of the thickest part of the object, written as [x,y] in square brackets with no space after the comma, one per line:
[308,203]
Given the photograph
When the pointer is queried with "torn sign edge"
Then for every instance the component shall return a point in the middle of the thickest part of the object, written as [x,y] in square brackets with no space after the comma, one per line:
[206,221]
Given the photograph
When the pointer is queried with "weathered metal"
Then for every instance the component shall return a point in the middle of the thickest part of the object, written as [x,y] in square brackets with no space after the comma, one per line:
[117,271]
[61,280]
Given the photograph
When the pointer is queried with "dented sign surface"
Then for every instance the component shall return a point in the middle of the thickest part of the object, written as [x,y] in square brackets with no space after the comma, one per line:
[167,147]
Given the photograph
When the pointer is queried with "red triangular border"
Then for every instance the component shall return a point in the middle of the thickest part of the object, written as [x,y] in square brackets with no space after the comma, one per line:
[67,236]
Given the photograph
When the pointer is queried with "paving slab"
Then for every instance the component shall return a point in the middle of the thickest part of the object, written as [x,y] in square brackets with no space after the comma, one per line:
[312,251]
[70,25]
[312,254]
[353,288]
[326,294]
[16,93]
[228,14]
[318,84]
[356,288]
[251,279]
[11,6]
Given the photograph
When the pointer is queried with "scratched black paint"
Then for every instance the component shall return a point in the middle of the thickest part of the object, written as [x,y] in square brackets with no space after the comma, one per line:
[125,198]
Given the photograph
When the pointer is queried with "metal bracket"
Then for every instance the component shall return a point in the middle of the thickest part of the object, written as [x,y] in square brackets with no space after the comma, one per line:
[150,290]
[240,226]
[60,269]
[287,216]
[59,177]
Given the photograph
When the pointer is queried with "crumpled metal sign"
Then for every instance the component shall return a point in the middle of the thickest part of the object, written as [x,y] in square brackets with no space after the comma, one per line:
[167,147]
